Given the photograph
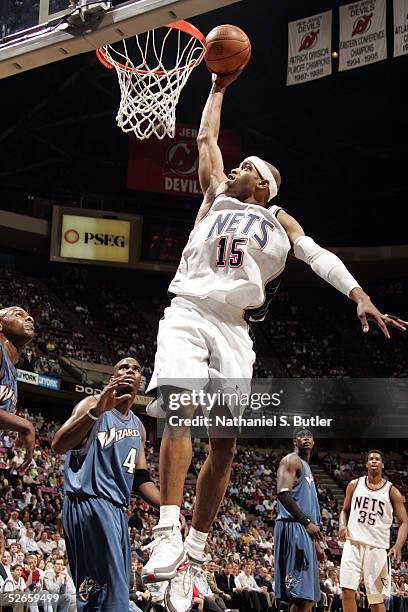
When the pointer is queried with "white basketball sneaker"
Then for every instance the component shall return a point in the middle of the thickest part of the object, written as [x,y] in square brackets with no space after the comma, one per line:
[167,555]
[179,593]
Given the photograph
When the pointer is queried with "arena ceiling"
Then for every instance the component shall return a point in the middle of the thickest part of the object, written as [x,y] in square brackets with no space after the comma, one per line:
[340,142]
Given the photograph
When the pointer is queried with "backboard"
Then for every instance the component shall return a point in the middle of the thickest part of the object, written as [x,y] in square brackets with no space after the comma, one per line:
[35,33]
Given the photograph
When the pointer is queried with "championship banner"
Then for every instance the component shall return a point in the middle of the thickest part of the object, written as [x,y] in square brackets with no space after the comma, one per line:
[309,48]
[171,165]
[400,27]
[363,38]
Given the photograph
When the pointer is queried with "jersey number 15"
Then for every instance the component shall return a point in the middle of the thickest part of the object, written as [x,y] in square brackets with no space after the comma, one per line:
[229,251]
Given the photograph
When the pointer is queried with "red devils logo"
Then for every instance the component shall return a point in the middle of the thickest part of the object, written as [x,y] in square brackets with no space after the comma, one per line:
[309,40]
[182,158]
[362,24]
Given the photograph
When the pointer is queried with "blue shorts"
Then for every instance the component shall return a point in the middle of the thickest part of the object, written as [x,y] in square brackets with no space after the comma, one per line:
[98,548]
[296,567]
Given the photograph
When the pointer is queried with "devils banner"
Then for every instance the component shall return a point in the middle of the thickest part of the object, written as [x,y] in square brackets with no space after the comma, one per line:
[171,165]
[362,34]
[400,27]
[309,48]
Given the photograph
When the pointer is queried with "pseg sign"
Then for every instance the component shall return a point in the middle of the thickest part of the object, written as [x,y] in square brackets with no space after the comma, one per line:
[95,239]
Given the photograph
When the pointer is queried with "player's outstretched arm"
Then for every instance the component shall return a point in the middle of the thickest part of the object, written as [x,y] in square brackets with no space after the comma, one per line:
[289,467]
[85,414]
[331,269]
[210,162]
[401,515]
[26,434]
[345,511]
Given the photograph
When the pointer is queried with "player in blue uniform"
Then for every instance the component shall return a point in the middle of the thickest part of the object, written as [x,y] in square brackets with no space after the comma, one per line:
[16,330]
[297,529]
[105,460]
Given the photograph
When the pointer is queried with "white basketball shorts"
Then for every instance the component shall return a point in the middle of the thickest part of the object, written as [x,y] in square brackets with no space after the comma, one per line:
[200,341]
[363,563]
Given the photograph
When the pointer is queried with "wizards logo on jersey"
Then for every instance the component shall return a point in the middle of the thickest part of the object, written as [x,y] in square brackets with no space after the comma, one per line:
[7,395]
[106,438]
[89,587]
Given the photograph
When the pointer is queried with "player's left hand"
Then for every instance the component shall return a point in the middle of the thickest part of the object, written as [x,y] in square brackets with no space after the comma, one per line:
[367,311]
[223,80]
[395,552]
[321,555]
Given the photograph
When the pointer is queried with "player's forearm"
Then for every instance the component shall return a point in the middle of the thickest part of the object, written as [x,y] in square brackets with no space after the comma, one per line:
[288,502]
[343,519]
[402,534]
[358,295]
[150,494]
[211,117]
[72,433]
[328,266]
[12,422]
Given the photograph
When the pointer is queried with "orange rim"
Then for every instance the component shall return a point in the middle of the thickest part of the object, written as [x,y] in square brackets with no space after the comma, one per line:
[183,26]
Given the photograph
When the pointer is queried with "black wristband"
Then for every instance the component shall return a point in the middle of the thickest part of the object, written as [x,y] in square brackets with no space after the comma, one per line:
[141,476]
[287,501]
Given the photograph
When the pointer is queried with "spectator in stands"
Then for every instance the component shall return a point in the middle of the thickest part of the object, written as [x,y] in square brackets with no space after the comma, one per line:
[31,574]
[56,581]
[45,543]
[138,593]
[15,584]
[6,562]
[211,602]
[211,579]
[246,582]
[28,543]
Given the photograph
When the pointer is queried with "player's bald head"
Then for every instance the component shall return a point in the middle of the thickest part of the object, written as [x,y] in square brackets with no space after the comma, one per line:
[130,361]
[4,312]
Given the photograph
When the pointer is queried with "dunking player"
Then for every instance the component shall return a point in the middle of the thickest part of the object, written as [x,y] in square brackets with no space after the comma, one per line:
[105,459]
[16,330]
[226,277]
[297,528]
[365,523]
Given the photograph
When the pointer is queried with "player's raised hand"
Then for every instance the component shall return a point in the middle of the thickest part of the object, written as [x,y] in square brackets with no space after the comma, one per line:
[109,398]
[223,80]
[395,552]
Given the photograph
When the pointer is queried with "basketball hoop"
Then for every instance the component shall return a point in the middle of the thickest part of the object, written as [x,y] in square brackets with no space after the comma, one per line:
[152,80]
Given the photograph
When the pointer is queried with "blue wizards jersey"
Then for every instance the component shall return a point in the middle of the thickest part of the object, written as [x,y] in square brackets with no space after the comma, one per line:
[105,465]
[8,382]
[305,495]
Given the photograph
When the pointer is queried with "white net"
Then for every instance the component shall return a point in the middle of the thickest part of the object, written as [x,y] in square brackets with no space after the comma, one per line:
[152,69]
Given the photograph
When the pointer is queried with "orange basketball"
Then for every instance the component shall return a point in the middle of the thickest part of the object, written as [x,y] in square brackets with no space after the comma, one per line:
[229,49]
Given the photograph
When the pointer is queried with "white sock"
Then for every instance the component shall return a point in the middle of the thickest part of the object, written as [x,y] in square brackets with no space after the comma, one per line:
[195,541]
[169,516]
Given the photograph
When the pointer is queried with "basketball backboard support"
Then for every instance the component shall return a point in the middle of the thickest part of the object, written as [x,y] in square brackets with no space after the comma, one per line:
[37,33]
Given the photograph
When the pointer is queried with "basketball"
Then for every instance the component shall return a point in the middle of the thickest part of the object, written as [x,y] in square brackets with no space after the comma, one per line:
[229,49]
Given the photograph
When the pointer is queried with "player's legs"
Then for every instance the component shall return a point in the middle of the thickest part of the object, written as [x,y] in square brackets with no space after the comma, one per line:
[351,568]
[98,549]
[296,567]
[213,482]
[300,605]
[377,577]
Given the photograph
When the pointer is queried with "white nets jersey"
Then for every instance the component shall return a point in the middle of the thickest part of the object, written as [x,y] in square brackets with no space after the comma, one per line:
[234,255]
[371,515]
